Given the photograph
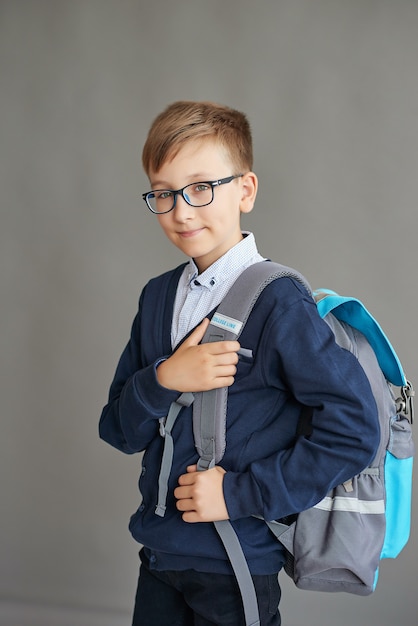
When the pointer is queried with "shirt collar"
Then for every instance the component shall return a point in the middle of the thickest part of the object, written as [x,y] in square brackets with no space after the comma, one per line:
[226,265]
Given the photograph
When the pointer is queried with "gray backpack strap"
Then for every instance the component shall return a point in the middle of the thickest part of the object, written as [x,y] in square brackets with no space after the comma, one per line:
[166,426]
[209,408]
[241,571]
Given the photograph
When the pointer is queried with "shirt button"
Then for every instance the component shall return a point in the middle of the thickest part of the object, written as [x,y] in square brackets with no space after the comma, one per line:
[142,507]
[153,558]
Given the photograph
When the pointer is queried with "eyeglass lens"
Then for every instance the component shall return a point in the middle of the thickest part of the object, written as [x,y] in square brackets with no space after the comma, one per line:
[196,194]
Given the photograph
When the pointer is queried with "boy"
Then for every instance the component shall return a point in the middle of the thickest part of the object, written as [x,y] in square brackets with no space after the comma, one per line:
[198,157]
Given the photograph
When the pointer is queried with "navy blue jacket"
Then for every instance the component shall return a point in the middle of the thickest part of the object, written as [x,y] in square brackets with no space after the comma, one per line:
[270,471]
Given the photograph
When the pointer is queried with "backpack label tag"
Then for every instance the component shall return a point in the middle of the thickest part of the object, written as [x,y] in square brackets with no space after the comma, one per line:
[227,323]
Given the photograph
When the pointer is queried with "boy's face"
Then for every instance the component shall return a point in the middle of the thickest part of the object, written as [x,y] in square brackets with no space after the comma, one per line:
[205,233]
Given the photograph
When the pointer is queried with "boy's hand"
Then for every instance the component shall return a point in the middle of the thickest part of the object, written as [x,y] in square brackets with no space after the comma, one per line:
[200,495]
[200,367]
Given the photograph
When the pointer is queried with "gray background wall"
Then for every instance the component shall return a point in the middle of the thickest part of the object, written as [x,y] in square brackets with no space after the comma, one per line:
[331,90]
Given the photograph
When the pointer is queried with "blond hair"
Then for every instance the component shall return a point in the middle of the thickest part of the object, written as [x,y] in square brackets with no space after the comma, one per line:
[185,121]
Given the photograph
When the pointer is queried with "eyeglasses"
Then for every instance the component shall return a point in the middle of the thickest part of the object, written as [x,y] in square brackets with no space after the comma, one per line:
[161,201]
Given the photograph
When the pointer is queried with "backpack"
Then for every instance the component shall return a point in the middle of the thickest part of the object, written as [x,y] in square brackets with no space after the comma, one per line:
[337,544]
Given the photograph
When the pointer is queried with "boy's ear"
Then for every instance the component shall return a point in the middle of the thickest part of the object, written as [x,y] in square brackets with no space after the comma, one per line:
[249,186]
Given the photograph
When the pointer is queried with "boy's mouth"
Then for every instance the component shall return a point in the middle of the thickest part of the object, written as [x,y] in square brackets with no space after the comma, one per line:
[190,233]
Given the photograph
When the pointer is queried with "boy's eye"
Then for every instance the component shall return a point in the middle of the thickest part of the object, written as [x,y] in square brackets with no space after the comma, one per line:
[199,187]
[163,195]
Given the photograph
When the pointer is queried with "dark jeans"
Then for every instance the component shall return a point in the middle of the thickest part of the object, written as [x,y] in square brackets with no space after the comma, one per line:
[190,598]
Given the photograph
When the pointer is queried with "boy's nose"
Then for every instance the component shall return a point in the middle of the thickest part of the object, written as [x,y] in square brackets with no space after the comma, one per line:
[183,210]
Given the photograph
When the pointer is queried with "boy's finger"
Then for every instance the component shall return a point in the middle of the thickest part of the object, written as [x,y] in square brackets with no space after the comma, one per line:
[223,347]
[181,493]
[186,479]
[197,335]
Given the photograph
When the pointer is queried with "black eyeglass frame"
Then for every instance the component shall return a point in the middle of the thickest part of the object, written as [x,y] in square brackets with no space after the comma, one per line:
[177,192]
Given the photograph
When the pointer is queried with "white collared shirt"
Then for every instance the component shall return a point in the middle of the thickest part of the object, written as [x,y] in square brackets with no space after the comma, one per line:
[197,295]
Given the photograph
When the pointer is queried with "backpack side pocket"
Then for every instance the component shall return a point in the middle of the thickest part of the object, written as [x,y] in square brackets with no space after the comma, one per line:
[336,545]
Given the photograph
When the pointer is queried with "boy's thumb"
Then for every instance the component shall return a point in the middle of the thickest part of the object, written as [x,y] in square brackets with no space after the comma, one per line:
[197,335]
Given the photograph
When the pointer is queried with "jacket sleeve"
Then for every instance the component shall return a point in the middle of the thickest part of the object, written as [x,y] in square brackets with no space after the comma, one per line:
[129,421]
[345,428]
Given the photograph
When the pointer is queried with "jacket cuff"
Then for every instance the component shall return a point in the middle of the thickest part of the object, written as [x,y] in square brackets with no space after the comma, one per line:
[242,495]
[151,393]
